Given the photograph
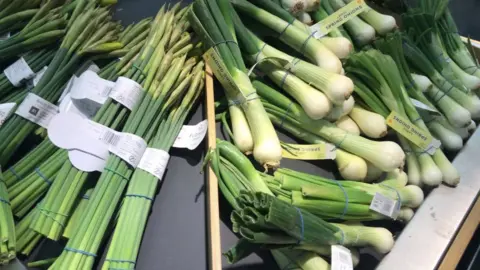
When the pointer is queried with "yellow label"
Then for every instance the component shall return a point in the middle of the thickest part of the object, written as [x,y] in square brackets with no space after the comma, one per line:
[308,152]
[411,132]
[338,18]
[213,59]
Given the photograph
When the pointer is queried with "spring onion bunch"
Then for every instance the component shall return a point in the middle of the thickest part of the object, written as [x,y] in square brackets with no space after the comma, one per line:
[142,122]
[14,19]
[11,7]
[385,81]
[213,23]
[347,200]
[283,110]
[27,239]
[296,37]
[7,226]
[129,228]
[421,27]
[77,214]
[382,23]
[67,185]
[84,37]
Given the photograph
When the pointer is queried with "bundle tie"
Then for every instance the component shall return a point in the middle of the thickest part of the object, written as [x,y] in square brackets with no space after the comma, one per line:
[399,206]
[338,145]
[225,42]
[302,228]
[11,169]
[139,69]
[117,173]
[286,114]
[4,201]
[139,196]
[80,252]
[48,181]
[346,199]
[444,94]
[86,197]
[285,29]
[121,261]
[249,97]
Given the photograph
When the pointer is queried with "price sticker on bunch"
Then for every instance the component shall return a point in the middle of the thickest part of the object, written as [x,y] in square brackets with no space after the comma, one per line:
[155,162]
[19,72]
[321,151]
[384,205]
[37,110]
[341,258]
[6,110]
[191,136]
[411,132]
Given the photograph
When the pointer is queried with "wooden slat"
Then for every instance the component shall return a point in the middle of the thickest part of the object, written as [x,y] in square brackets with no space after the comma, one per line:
[213,211]
[461,241]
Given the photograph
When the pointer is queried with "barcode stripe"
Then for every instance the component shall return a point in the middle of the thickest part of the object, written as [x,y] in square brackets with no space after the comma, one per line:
[111,138]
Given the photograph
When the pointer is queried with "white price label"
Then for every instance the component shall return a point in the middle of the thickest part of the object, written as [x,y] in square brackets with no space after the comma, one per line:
[384,205]
[5,110]
[39,76]
[341,258]
[129,147]
[155,162]
[191,136]
[37,110]
[68,87]
[422,106]
[19,72]
[127,92]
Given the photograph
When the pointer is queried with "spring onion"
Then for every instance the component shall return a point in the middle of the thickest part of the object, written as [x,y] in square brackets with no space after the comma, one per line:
[370,123]
[346,123]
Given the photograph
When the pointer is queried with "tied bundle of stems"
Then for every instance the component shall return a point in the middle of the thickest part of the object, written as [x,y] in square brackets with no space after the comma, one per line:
[77,214]
[47,26]
[386,87]
[27,239]
[81,249]
[86,36]
[143,185]
[69,182]
[284,112]
[7,226]
[36,60]
[212,21]
[346,200]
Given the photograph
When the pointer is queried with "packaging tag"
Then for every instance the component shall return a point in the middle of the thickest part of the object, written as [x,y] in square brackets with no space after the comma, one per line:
[411,132]
[155,162]
[338,18]
[37,110]
[321,151]
[341,258]
[89,92]
[190,137]
[68,87]
[86,66]
[39,76]
[5,36]
[384,205]
[19,72]
[6,110]
[129,147]
[422,106]
[127,92]
[220,70]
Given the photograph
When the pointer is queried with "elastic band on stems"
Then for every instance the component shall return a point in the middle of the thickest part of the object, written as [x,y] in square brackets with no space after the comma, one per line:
[4,201]
[285,29]
[286,114]
[120,261]
[80,252]
[11,169]
[399,205]
[139,69]
[117,173]
[338,145]
[249,97]
[48,181]
[225,42]
[346,199]
[302,228]
[139,196]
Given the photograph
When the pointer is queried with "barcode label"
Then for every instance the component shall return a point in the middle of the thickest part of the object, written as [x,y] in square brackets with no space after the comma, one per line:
[37,110]
[111,138]
[19,72]
[129,147]
[127,92]
[341,258]
[5,111]
[383,205]
[154,161]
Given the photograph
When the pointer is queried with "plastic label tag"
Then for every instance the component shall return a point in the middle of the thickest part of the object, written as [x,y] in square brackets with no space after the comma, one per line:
[127,92]
[220,70]
[37,110]
[89,92]
[6,110]
[384,205]
[190,137]
[39,76]
[422,106]
[129,147]
[154,161]
[338,18]
[411,132]
[19,72]
[321,151]
[341,258]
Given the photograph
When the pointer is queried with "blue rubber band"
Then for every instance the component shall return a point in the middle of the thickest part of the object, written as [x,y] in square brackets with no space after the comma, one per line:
[475,70]
[49,211]
[80,252]
[260,52]
[287,72]
[15,173]
[286,114]
[304,45]
[139,196]
[285,29]
[346,199]
[399,206]
[139,69]
[249,97]
[226,42]
[48,181]
[338,145]
[302,228]
[86,197]
[117,173]
[342,241]
[416,120]
[4,201]
[121,261]
[444,94]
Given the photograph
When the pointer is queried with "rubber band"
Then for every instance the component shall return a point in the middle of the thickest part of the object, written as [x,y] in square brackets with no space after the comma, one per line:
[444,94]
[342,241]
[225,42]
[287,72]
[139,69]
[120,261]
[249,97]
[11,169]
[476,68]
[346,199]
[117,173]
[286,114]
[304,45]
[139,196]
[302,228]
[4,201]
[285,29]
[260,52]
[80,252]
[399,198]
[49,211]
[416,120]
[337,146]
[48,181]
[86,197]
